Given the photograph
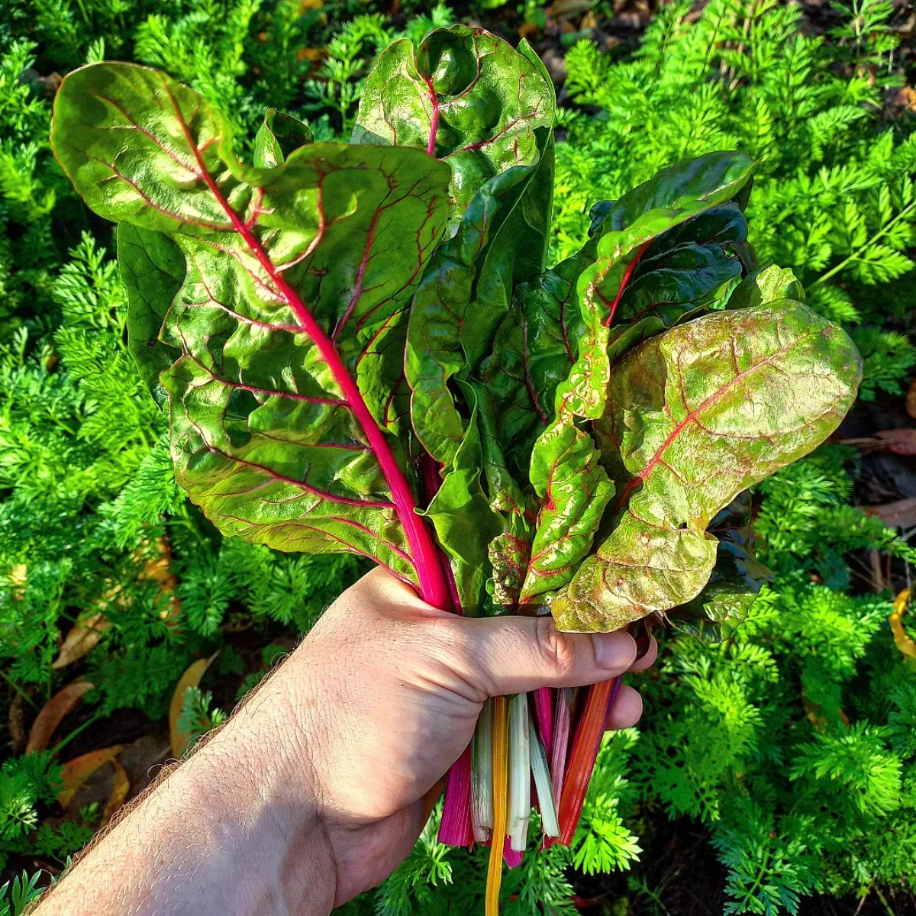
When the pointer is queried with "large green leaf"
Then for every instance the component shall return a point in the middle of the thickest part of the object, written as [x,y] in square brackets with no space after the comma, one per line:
[465,96]
[696,184]
[684,265]
[693,416]
[533,351]
[467,289]
[676,231]
[295,277]
[153,270]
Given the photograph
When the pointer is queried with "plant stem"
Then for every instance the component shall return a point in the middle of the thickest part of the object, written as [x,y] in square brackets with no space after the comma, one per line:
[543,710]
[519,773]
[855,255]
[546,801]
[584,754]
[455,829]
[76,731]
[19,690]
[560,746]
[482,776]
[500,791]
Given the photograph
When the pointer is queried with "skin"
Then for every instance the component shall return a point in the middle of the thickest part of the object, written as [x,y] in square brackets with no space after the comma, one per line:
[319,785]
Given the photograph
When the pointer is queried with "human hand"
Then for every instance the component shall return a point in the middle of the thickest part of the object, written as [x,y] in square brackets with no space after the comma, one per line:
[319,785]
[383,695]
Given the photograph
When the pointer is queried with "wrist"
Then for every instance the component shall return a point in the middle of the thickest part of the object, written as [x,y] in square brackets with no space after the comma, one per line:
[258,771]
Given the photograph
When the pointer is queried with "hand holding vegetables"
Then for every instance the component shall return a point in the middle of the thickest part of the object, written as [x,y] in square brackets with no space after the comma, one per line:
[361,351]
[320,784]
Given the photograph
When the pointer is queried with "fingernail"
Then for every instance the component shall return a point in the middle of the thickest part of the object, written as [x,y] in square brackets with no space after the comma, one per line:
[614,650]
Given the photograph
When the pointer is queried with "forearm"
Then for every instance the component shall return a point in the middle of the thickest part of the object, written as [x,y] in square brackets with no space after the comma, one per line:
[234,830]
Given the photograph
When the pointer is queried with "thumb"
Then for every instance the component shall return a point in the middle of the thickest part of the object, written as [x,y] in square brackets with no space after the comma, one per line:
[515,654]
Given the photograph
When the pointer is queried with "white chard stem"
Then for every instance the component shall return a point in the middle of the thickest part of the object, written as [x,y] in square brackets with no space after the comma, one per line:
[519,773]
[482,776]
[549,820]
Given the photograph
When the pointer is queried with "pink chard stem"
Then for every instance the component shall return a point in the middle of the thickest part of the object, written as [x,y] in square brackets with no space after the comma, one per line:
[543,713]
[456,829]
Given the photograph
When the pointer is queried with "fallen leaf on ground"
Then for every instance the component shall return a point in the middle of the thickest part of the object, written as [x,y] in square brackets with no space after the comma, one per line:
[191,678]
[901,638]
[53,712]
[119,791]
[895,441]
[81,640]
[75,772]
[899,514]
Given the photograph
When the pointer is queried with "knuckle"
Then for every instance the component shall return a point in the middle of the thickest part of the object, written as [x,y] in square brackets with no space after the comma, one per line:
[558,649]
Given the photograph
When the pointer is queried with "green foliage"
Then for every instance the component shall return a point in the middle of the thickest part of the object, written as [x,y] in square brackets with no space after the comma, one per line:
[198,715]
[749,738]
[17,894]
[91,519]
[788,739]
[834,196]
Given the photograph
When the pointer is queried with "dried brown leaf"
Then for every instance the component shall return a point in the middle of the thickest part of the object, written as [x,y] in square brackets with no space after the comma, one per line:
[53,712]
[77,771]
[899,514]
[119,791]
[81,640]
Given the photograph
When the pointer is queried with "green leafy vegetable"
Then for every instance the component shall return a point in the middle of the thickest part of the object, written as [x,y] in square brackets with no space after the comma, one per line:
[362,352]
[272,433]
[463,95]
[694,416]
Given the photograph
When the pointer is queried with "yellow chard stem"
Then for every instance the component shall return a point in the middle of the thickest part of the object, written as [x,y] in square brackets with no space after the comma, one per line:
[500,797]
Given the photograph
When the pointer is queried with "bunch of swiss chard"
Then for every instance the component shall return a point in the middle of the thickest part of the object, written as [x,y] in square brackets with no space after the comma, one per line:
[360,349]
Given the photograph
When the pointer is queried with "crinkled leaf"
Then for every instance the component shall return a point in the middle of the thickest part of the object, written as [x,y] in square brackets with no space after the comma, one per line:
[464,522]
[465,292]
[735,581]
[153,270]
[508,552]
[533,352]
[279,135]
[574,490]
[684,265]
[465,96]
[767,284]
[694,416]
[552,348]
[293,277]
[710,179]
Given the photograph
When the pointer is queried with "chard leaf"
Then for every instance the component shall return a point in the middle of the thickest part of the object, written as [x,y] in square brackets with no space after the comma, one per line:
[574,489]
[735,581]
[464,522]
[552,347]
[279,135]
[508,551]
[767,284]
[500,241]
[684,265]
[465,96]
[153,270]
[293,276]
[533,352]
[693,416]
[698,184]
